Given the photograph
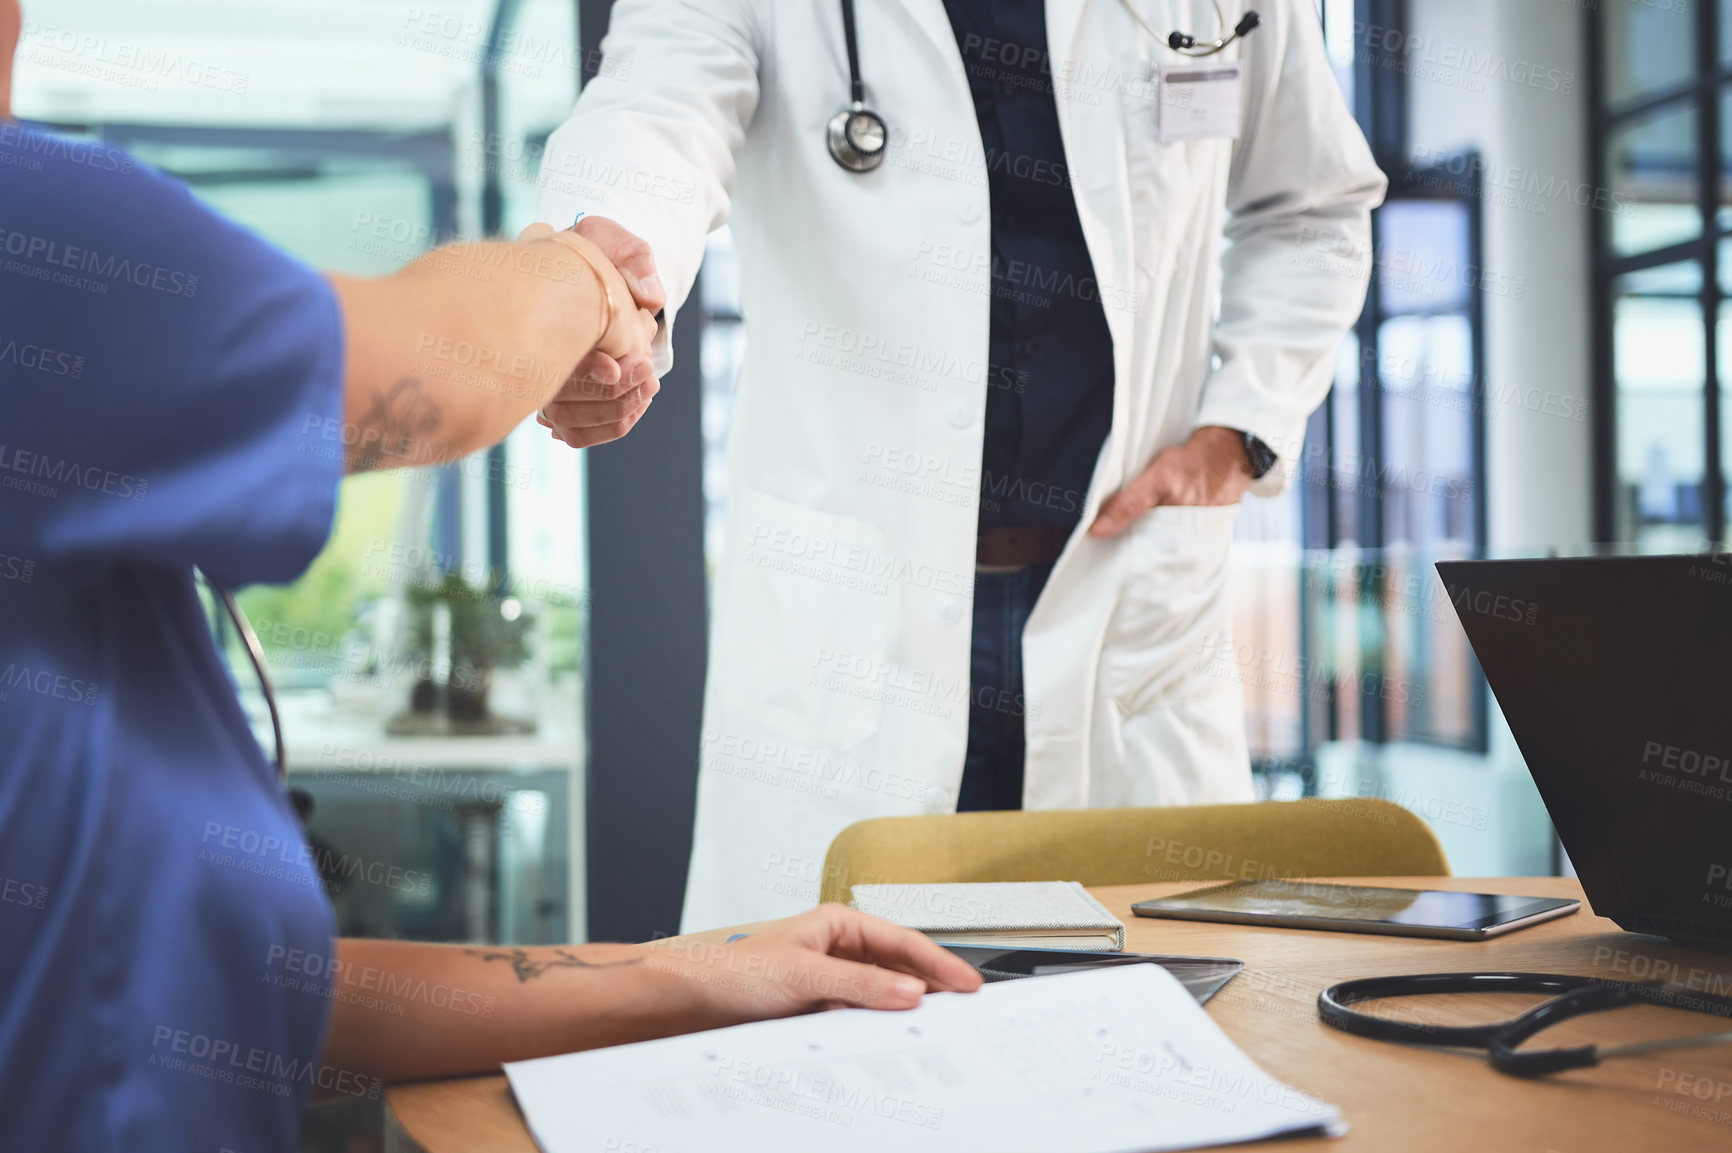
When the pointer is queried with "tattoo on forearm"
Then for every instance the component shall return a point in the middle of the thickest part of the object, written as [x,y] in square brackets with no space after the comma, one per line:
[526,967]
[398,418]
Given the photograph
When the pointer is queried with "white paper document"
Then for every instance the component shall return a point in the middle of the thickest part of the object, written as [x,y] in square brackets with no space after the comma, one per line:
[1117,1060]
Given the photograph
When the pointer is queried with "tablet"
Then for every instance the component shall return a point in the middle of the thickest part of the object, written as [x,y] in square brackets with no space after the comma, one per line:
[1300,904]
[1202,977]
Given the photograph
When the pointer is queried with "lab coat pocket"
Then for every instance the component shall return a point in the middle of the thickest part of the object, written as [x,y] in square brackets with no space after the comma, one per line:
[802,623]
[1187,750]
[1173,600]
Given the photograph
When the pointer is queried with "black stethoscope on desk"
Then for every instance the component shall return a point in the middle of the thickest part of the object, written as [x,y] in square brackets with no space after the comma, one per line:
[857,135]
[1572,997]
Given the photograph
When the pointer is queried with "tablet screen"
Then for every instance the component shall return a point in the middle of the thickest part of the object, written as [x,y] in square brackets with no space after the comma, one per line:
[1314,900]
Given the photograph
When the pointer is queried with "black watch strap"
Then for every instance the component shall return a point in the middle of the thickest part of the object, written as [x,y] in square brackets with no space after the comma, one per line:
[1261,456]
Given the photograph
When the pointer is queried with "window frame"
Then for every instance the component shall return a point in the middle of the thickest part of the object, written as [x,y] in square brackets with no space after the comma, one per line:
[1380,105]
[1701,93]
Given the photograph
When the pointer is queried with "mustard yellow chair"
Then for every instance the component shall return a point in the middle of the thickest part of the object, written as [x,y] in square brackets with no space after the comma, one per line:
[1355,837]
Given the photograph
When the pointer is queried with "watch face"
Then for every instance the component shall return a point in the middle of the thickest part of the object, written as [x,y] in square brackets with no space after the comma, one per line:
[866,132]
[1261,456]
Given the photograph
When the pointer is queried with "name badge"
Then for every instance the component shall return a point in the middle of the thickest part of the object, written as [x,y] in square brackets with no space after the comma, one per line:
[1200,101]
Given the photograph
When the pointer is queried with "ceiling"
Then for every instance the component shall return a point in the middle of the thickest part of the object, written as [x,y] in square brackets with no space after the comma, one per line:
[376,64]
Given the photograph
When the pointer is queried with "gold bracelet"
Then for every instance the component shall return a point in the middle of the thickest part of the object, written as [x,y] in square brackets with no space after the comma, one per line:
[607,307]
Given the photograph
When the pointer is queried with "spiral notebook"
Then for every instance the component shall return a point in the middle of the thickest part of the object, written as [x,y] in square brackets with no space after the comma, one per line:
[999,914]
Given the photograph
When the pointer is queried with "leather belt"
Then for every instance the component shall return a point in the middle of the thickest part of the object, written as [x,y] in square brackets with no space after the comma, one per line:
[1020,546]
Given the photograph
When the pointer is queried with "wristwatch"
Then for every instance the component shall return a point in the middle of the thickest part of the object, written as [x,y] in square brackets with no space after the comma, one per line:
[1261,456]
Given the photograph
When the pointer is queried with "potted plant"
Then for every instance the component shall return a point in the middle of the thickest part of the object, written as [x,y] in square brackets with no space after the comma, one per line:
[458,634]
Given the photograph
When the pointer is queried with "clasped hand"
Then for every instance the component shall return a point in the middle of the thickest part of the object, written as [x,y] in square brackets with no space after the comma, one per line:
[611,388]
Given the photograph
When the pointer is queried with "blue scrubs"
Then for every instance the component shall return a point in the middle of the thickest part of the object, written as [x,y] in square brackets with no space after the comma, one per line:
[167,385]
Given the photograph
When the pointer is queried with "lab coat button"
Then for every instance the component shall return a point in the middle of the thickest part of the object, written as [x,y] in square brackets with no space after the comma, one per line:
[971,211]
[949,611]
[961,415]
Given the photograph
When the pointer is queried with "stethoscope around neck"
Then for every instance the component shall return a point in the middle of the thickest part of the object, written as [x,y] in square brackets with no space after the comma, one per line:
[857,135]
[256,654]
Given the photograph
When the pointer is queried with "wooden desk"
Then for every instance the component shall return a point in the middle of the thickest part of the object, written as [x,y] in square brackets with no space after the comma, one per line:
[1393,1097]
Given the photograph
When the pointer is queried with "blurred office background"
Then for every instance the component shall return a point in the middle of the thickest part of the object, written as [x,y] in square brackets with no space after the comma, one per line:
[492,675]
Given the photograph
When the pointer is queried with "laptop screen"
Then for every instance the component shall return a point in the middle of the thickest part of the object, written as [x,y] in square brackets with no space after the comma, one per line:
[1615,674]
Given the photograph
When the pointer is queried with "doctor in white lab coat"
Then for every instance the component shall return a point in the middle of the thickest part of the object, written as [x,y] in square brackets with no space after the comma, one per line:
[1228,266]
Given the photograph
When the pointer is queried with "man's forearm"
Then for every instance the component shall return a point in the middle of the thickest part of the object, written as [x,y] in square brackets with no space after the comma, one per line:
[405,1011]
[449,354]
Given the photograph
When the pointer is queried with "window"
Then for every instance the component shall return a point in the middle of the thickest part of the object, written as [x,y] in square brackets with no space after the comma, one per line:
[1393,478]
[1661,114]
[1350,634]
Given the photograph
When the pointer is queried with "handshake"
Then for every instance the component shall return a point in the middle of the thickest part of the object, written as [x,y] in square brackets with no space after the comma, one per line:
[612,386]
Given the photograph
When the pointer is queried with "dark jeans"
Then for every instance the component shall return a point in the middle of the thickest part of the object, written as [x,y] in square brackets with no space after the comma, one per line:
[992,769]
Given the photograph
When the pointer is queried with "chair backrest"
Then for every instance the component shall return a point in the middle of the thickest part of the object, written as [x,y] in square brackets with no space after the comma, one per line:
[1353,837]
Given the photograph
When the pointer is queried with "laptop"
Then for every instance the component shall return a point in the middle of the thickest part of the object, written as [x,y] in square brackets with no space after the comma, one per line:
[1615,674]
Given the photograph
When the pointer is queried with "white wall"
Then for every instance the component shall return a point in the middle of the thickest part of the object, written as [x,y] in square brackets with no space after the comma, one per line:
[1533,140]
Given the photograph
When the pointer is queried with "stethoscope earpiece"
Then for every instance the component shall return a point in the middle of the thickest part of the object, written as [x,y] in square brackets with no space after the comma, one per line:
[1186,45]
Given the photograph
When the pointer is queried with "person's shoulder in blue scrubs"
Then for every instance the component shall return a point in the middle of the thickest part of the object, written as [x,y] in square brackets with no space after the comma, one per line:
[176,393]
[165,378]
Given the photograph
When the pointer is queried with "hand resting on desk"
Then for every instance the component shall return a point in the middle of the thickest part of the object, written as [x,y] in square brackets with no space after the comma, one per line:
[829,958]
[405,1011]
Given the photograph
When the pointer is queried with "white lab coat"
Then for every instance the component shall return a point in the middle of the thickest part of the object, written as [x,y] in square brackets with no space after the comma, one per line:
[838,683]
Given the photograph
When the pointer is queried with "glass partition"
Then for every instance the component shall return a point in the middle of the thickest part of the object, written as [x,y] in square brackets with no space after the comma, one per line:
[1650,46]
[1659,366]
[1652,161]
